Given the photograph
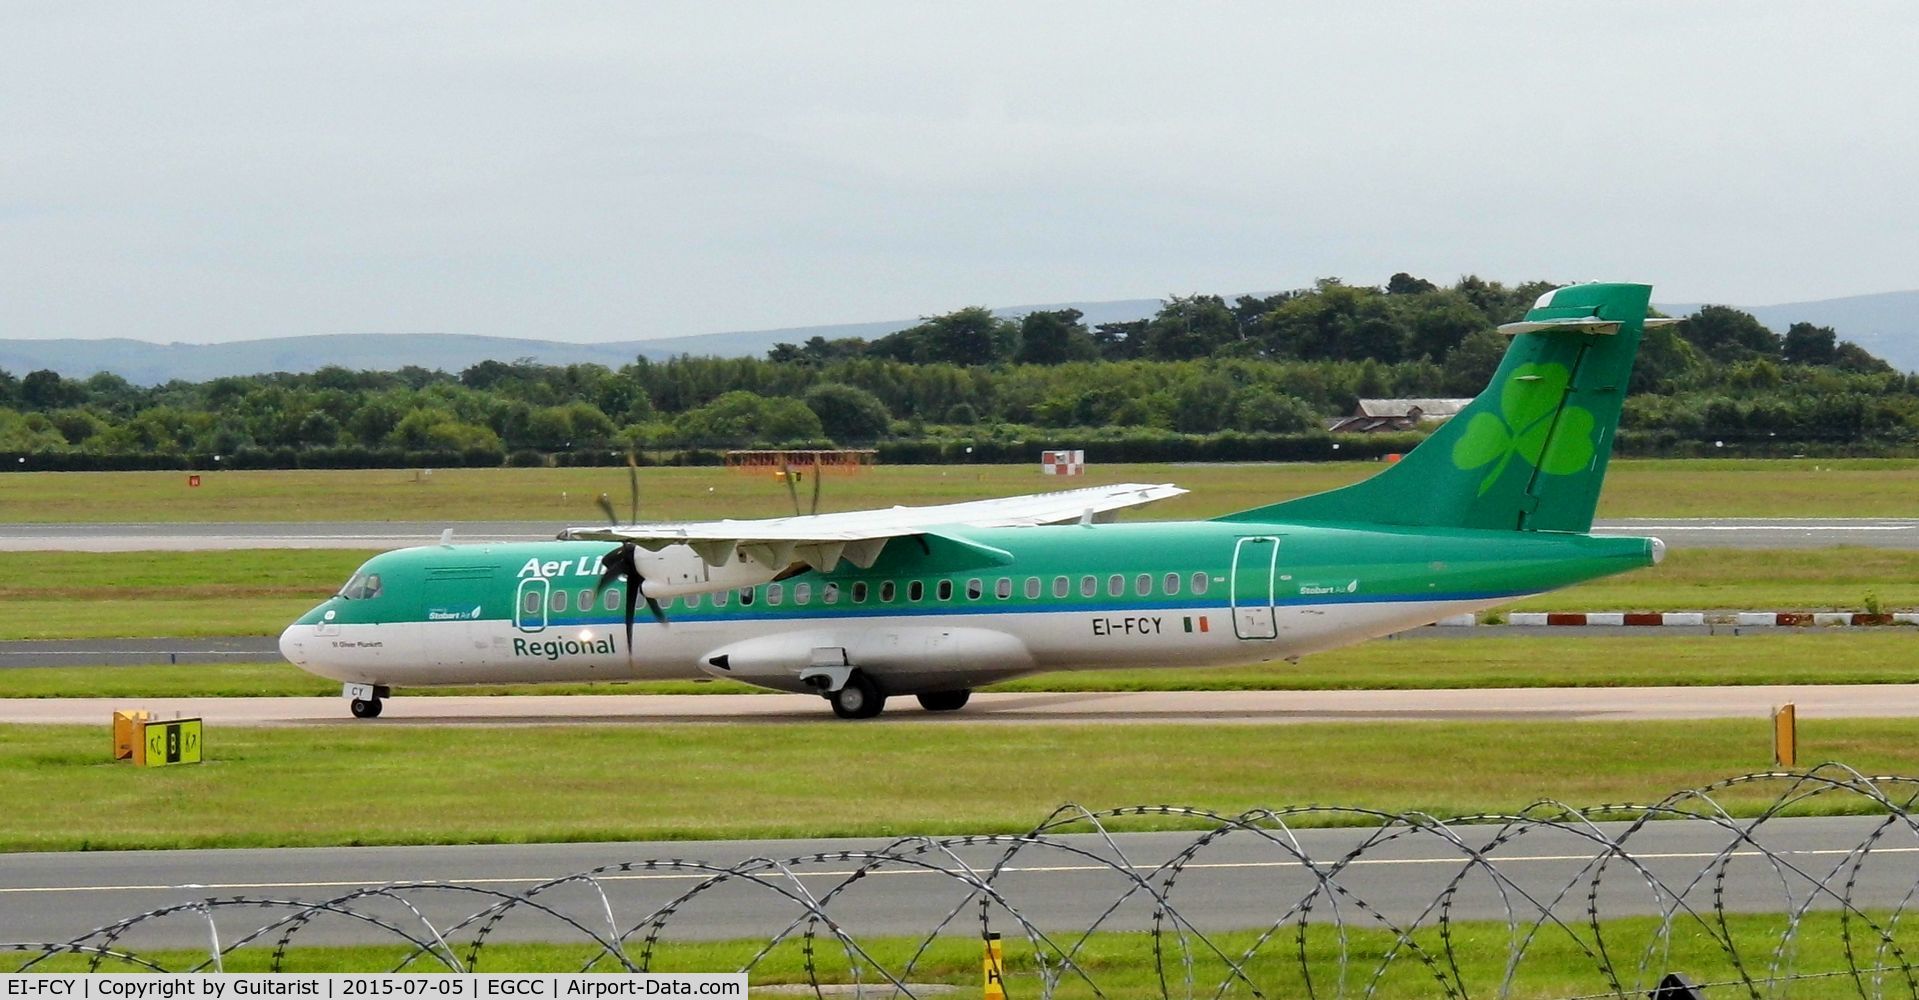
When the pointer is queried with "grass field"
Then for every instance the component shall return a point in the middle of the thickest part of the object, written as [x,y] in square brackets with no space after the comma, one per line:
[392,785]
[56,595]
[1123,964]
[63,595]
[1646,488]
[1551,660]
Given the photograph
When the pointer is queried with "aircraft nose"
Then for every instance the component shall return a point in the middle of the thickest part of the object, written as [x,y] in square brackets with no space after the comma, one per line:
[293,644]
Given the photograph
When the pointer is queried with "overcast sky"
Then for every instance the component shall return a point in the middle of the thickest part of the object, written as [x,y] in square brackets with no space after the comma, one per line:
[210,172]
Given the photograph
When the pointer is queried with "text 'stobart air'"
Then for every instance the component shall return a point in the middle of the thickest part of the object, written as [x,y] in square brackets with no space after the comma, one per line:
[936,601]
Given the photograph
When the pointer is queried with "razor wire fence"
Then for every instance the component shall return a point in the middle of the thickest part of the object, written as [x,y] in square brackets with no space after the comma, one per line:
[1764,885]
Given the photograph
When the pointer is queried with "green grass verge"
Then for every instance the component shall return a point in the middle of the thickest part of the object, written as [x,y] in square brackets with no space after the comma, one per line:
[57,595]
[1844,578]
[1556,963]
[341,785]
[65,595]
[1635,488]
[1787,656]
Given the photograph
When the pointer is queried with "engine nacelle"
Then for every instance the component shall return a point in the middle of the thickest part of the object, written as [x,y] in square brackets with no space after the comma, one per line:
[782,661]
[677,571]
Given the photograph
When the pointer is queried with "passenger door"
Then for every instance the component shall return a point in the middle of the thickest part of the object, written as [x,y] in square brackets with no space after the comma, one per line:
[1255,561]
[529,604]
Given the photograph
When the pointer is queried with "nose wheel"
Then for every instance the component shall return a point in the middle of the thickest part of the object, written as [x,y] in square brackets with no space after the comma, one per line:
[366,700]
[858,698]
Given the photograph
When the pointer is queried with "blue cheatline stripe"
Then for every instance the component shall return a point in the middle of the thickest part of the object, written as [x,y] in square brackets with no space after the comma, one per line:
[817,612]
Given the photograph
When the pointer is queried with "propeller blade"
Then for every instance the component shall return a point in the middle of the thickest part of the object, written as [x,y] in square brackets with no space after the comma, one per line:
[786,473]
[608,573]
[659,615]
[632,598]
[816,487]
[606,507]
[633,486]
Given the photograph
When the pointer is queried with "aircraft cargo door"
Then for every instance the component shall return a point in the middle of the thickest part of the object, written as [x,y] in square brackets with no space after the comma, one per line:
[1255,560]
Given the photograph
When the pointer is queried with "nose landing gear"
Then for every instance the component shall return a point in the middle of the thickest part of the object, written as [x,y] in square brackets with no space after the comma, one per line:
[366,700]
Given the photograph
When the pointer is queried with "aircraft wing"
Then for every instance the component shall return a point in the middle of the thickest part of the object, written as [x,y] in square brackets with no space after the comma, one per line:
[820,540]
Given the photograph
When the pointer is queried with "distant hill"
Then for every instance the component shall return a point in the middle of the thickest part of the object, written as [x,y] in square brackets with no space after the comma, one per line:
[1887,324]
[145,363]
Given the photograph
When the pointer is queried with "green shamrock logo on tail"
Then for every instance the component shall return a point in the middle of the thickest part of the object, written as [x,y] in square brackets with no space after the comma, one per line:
[1526,406]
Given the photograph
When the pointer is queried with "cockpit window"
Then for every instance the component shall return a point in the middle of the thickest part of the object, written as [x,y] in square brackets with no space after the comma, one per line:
[362,587]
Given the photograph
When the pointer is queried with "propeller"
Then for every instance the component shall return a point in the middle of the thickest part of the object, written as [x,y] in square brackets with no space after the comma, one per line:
[787,473]
[623,563]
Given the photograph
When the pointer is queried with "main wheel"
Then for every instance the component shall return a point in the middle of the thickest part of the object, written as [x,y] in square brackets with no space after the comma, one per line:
[366,708]
[859,699]
[944,701]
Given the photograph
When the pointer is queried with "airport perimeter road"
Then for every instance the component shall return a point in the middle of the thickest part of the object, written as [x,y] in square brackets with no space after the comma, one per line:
[1730,532]
[1239,881]
[1825,701]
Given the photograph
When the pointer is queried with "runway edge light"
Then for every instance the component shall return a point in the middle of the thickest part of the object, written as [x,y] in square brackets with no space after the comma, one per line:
[126,733]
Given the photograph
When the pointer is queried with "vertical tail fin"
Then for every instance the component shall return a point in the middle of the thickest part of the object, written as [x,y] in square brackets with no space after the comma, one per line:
[1529,453]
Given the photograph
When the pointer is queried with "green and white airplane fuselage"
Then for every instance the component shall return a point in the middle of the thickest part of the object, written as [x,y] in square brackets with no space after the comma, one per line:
[1496,505]
[1075,597]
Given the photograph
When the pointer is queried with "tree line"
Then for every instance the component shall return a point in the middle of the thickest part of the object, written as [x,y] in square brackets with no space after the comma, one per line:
[1274,365]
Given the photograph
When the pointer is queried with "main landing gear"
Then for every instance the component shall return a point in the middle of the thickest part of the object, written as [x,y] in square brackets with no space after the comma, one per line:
[366,700]
[944,701]
[858,698]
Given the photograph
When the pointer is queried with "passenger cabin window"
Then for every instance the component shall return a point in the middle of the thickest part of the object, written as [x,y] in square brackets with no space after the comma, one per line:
[802,593]
[1004,589]
[1171,583]
[746,597]
[915,590]
[975,590]
[1143,584]
[610,600]
[1032,588]
[719,598]
[774,592]
[692,600]
[859,592]
[1199,583]
[946,590]
[1088,586]
[558,601]
[530,602]
[1062,586]
[1115,585]
[830,593]
[886,591]
[586,600]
